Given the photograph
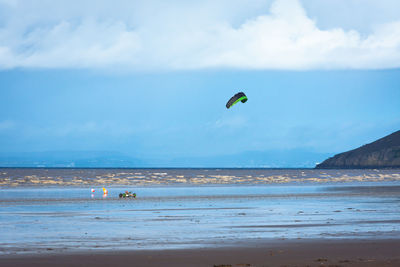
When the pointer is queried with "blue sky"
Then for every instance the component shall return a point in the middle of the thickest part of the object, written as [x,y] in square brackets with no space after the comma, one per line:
[151,80]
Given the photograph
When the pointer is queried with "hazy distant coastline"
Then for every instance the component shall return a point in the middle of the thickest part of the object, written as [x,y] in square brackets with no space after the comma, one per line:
[294,158]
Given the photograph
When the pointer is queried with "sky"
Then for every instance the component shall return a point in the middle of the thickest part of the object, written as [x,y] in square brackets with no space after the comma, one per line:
[150,79]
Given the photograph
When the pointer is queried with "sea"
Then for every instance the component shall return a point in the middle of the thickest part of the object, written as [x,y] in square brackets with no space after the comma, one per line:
[65,210]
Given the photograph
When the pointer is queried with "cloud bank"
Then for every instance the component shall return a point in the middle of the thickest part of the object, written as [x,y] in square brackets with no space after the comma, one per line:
[186,36]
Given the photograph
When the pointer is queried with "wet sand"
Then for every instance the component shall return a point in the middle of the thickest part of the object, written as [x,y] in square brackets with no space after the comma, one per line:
[273,253]
[64,220]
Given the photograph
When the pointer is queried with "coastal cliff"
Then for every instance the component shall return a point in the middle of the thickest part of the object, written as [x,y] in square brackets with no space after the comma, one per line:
[383,153]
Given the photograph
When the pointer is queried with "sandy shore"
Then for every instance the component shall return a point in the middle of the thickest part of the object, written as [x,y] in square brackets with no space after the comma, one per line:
[276,253]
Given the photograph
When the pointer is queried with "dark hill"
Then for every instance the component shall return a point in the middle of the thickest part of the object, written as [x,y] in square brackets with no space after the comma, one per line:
[383,153]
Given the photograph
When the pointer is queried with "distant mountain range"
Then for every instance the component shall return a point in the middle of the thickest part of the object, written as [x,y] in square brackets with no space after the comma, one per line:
[293,158]
[383,153]
[68,159]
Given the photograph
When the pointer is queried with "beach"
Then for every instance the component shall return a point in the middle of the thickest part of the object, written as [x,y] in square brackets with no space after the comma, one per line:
[299,218]
[288,253]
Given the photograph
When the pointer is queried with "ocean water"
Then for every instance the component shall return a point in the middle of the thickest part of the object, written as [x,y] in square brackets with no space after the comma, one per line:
[46,219]
[13,177]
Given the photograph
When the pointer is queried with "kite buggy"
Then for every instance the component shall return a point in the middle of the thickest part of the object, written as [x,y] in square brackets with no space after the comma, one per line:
[127,194]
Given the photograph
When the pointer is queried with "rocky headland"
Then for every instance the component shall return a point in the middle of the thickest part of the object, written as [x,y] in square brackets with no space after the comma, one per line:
[383,153]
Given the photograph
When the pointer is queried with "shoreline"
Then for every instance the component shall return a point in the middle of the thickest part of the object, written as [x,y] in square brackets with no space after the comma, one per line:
[145,177]
[290,252]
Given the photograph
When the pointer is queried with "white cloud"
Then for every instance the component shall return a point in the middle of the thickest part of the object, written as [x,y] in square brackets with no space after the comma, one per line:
[189,36]
[88,44]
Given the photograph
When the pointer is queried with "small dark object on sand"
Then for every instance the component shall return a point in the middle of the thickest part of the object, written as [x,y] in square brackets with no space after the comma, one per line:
[127,195]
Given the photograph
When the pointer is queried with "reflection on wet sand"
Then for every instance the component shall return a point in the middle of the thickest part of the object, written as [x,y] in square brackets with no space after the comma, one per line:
[66,219]
[57,210]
